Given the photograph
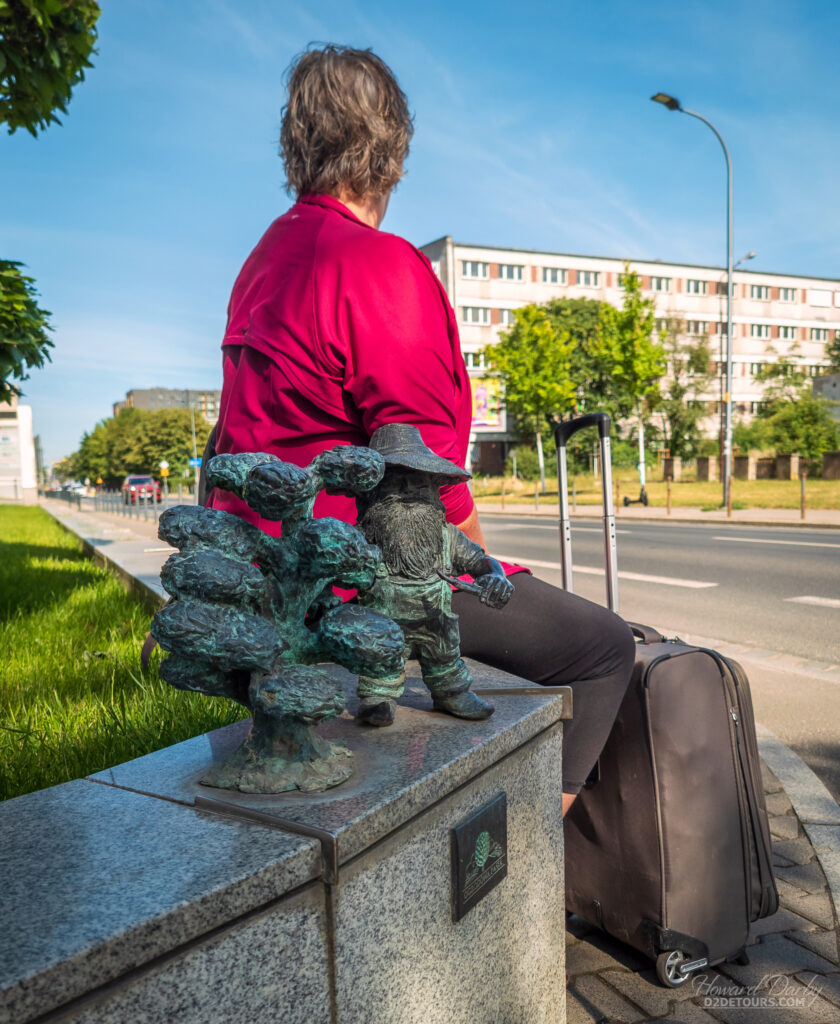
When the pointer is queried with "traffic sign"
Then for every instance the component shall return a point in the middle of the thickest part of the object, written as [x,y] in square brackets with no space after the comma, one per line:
[164,471]
[195,462]
[163,464]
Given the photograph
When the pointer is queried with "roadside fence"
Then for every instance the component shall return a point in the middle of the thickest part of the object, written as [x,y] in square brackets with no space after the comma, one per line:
[115,503]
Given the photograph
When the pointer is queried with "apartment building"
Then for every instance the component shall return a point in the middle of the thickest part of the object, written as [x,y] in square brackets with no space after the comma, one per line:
[204,402]
[774,315]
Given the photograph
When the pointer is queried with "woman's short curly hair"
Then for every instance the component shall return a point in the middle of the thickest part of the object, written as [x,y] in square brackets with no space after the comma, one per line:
[346,125]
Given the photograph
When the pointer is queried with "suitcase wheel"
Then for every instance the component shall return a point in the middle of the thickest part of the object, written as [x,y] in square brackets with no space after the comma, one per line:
[668,968]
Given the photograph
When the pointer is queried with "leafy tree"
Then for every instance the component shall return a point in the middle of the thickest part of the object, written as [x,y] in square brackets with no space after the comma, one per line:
[832,353]
[636,360]
[24,342]
[752,436]
[793,418]
[680,407]
[534,360]
[804,425]
[783,379]
[588,323]
[44,49]
[136,441]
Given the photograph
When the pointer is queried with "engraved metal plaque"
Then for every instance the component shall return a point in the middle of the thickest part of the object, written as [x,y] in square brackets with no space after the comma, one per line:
[479,855]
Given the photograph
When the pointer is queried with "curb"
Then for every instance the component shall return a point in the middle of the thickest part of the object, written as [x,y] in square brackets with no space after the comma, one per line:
[816,808]
[666,520]
[149,597]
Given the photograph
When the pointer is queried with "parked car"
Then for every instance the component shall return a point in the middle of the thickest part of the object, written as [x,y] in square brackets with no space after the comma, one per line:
[137,488]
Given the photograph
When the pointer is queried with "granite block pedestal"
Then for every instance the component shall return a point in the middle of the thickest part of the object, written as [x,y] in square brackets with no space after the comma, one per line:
[142,895]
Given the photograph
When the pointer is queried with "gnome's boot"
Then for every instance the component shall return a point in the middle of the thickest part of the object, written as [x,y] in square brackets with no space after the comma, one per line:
[449,684]
[377,710]
[463,705]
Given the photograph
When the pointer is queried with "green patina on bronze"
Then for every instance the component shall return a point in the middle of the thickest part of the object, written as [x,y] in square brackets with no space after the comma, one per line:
[253,615]
[404,516]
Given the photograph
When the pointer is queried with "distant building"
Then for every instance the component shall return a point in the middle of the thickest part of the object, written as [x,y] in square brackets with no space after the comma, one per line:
[18,474]
[774,315]
[828,387]
[204,402]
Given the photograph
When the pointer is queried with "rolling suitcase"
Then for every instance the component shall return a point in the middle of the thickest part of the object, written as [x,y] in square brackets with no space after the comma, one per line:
[668,845]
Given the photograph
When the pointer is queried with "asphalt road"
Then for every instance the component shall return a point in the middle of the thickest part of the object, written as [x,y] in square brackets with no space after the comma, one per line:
[768,587]
[773,589]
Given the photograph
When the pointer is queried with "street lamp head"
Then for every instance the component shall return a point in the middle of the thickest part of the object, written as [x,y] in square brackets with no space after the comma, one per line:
[667,101]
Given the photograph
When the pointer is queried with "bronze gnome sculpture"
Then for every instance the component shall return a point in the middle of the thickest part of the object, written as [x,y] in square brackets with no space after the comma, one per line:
[422,553]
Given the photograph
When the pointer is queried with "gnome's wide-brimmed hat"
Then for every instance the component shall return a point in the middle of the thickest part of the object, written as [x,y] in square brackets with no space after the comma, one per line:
[400,444]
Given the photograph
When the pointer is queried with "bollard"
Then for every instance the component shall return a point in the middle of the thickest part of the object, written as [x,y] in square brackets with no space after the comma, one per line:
[802,476]
[668,493]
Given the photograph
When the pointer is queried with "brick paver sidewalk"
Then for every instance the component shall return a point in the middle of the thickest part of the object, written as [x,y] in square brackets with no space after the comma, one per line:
[794,965]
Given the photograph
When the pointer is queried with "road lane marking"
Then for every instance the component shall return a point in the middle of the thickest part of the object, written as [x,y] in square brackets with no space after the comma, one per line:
[769,540]
[489,526]
[820,602]
[667,581]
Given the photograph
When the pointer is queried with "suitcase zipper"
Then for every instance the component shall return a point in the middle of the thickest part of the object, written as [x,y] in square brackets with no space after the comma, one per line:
[765,872]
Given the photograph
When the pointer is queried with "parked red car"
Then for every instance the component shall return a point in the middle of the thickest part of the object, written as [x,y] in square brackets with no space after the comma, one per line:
[140,489]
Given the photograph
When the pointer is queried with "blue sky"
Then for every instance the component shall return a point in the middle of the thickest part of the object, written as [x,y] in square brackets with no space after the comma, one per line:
[533,129]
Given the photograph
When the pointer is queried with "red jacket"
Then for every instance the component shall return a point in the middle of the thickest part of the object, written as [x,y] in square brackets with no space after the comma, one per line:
[335,328]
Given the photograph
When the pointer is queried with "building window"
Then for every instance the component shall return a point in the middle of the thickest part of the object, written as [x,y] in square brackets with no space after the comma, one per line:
[696,327]
[510,271]
[553,275]
[757,406]
[475,268]
[760,291]
[787,333]
[475,360]
[506,317]
[662,325]
[787,295]
[756,368]
[660,284]
[759,330]
[819,334]
[589,278]
[696,287]
[475,315]
[814,370]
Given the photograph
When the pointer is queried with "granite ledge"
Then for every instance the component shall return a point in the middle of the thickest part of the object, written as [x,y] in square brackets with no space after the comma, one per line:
[398,773]
[98,881]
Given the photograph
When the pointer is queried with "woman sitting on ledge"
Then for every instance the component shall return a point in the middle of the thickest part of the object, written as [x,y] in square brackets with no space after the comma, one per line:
[336,328]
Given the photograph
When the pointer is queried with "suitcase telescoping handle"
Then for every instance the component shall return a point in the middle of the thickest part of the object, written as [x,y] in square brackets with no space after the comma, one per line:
[562,433]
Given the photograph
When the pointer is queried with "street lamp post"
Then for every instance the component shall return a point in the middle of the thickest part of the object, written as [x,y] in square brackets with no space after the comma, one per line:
[674,104]
[722,431]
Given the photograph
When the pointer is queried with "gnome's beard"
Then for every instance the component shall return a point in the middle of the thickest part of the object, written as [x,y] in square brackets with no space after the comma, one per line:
[408,533]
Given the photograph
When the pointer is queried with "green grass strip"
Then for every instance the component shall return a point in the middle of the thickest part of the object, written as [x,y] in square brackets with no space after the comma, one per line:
[73,698]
